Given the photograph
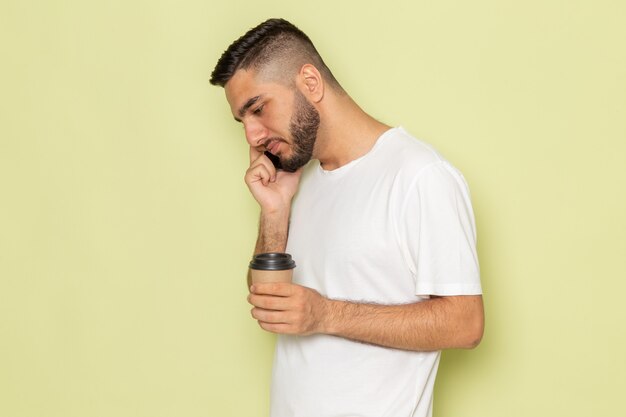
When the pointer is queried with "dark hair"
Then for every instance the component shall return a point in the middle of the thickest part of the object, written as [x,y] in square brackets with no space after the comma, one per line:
[272,40]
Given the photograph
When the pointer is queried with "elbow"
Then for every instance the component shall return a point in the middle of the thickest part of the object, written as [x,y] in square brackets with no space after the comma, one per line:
[473,338]
[473,328]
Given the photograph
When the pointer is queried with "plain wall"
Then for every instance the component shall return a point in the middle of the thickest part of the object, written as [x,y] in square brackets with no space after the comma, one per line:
[126,228]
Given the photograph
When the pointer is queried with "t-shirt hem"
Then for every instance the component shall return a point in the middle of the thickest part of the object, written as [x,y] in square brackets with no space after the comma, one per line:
[431,288]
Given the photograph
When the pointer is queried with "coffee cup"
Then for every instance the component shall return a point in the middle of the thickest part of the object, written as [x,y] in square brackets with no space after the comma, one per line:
[271,267]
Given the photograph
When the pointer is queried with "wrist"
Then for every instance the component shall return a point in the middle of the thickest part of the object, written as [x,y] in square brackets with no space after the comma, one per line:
[275,214]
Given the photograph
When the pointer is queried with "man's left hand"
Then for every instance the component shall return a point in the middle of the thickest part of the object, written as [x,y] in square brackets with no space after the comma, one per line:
[287,308]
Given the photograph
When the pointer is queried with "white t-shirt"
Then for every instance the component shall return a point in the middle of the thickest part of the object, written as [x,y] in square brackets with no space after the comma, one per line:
[391,227]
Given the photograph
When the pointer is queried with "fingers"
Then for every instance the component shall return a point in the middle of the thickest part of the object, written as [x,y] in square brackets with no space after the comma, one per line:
[270,316]
[254,154]
[286,322]
[271,296]
[261,168]
[279,321]
[278,328]
[279,289]
[285,308]
[269,302]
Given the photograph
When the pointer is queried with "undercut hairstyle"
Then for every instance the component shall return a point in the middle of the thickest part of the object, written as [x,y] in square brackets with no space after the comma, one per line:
[276,49]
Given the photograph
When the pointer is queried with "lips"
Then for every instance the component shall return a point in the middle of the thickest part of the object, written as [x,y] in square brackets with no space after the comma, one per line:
[273,146]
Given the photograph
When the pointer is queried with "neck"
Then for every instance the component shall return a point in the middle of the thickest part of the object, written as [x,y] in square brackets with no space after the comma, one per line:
[345,133]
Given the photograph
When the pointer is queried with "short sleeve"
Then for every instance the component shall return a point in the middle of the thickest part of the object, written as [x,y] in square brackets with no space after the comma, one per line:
[438,234]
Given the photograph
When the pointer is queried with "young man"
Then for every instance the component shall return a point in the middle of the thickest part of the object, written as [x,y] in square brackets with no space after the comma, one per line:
[381,228]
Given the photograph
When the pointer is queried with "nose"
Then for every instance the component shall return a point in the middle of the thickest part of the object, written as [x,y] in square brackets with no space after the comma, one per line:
[256,133]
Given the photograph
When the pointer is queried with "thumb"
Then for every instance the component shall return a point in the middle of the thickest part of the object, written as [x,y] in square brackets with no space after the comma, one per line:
[254,154]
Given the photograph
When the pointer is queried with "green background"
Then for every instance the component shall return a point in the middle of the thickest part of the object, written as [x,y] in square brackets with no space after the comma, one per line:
[125,225]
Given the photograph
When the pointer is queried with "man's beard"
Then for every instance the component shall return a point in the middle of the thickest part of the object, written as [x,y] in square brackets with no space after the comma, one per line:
[303,129]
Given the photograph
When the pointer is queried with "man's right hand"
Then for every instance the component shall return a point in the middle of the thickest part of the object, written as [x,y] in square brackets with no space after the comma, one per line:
[272,189]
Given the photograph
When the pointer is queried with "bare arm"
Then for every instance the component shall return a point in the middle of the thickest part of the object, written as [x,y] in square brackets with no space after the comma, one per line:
[273,232]
[438,323]
[273,190]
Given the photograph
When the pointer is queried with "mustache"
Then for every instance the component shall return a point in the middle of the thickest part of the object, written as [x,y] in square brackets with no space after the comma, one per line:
[270,140]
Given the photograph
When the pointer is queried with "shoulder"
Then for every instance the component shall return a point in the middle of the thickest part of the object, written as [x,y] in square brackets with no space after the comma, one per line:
[404,155]
[416,170]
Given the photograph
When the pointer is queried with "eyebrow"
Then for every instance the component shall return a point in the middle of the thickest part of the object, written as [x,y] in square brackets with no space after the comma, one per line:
[243,109]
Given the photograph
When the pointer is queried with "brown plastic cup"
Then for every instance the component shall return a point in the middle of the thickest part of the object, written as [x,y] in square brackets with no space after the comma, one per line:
[271,267]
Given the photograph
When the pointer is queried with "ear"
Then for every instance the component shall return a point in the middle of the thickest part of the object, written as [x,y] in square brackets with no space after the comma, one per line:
[311,83]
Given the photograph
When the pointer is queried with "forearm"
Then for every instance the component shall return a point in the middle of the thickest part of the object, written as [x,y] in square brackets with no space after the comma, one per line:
[273,233]
[438,323]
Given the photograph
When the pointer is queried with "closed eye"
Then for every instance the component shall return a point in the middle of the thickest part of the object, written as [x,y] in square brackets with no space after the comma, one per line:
[258,110]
